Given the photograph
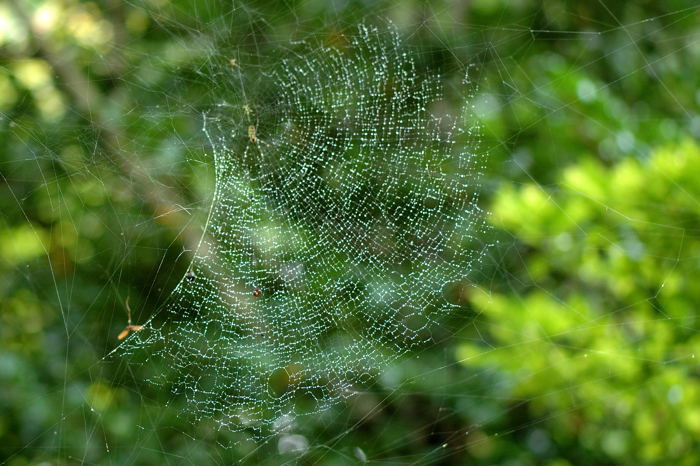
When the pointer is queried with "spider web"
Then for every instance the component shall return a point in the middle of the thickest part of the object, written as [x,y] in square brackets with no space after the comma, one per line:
[340,223]
[570,332]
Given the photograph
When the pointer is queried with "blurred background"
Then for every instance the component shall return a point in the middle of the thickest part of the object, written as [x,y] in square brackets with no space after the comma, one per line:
[578,342]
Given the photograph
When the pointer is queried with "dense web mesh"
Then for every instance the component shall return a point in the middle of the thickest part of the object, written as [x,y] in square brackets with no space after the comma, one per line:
[342,217]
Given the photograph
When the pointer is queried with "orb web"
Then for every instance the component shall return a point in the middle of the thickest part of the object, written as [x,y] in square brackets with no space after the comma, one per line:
[343,212]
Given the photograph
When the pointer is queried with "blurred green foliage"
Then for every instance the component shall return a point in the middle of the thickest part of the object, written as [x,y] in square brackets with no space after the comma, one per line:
[577,345]
[608,322]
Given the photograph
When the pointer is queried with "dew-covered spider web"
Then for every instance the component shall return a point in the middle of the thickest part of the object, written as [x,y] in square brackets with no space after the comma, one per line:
[344,216]
[252,232]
